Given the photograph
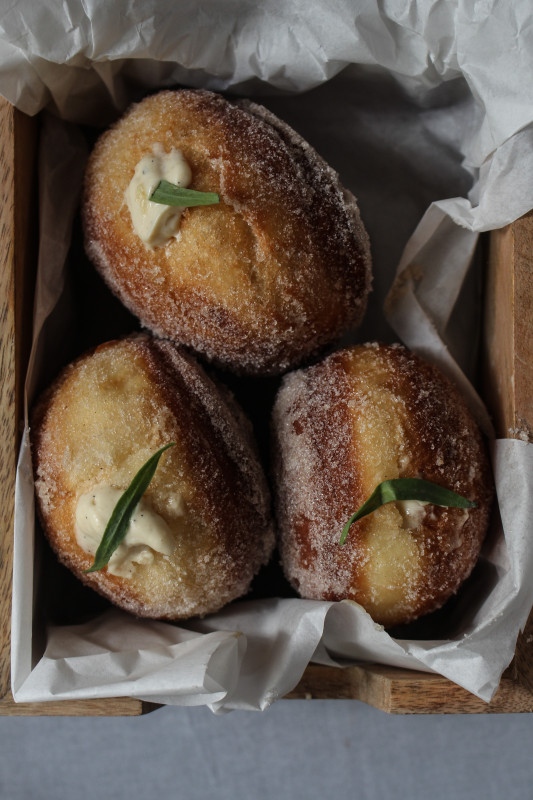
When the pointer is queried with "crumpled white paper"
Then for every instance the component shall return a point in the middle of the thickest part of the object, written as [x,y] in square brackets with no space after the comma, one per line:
[443,147]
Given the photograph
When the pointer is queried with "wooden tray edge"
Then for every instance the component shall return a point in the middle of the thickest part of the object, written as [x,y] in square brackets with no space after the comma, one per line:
[393,691]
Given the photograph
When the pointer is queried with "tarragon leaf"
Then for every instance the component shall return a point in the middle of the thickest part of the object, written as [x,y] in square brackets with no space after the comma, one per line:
[168,194]
[119,521]
[406,489]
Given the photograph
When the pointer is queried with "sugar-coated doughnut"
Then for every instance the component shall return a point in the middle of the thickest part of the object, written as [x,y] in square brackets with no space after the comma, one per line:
[274,272]
[208,504]
[363,415]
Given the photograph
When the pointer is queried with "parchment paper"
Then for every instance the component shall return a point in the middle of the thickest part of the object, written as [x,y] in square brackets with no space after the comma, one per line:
[425,109]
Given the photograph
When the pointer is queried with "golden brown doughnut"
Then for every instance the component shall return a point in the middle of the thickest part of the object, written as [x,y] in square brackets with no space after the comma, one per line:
[277,270]
[105,415]
[364,415]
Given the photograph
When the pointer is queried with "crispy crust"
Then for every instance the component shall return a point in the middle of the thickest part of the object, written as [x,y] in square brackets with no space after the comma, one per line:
[276,271]
[100,421]
[364,415]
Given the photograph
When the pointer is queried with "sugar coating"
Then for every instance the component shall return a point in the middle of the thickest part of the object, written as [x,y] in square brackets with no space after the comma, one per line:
[364,415]
[277,270]
[99,423]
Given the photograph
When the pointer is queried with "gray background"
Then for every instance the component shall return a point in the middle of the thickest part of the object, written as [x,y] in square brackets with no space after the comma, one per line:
[297,749]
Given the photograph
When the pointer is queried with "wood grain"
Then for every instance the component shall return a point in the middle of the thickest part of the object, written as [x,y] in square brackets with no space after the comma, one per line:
[103,707]
[8,421]
[508,330]
[399,691]
[508,361]
[17,277]
[26,216]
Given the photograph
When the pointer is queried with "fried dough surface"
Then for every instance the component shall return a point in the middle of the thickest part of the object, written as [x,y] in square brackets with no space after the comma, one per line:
[364,415]
[277,270]
[98,424]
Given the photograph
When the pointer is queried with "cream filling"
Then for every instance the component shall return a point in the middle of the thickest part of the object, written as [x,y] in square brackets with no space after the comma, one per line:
[155,223]
[412,512]
[148,533]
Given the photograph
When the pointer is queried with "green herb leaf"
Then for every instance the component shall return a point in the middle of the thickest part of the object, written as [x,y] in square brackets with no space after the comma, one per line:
[168,194]
[119,521]
[407,489]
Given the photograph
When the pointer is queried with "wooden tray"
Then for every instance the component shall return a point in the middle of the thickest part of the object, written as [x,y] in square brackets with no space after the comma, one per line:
[508,360]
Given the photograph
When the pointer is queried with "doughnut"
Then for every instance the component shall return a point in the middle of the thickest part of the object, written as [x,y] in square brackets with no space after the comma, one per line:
[367,414]
[266,278]
[206,525]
